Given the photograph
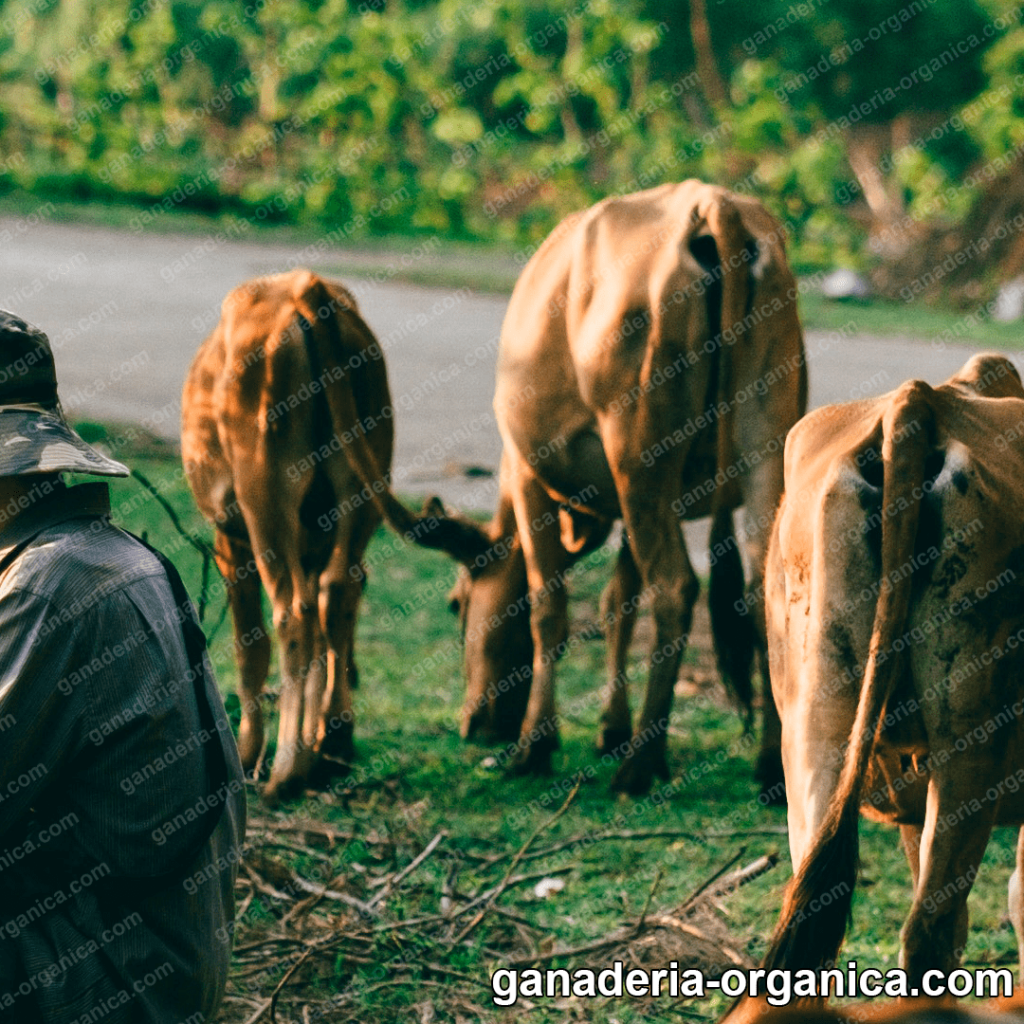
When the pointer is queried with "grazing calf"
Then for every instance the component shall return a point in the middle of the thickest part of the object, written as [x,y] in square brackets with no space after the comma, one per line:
[650,365]
[286,440]
[895,600]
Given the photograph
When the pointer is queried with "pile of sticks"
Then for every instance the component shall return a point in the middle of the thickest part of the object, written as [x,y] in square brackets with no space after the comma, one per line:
[320,935]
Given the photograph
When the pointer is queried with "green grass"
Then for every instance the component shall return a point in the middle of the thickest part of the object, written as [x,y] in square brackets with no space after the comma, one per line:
[415,777]
[910,320]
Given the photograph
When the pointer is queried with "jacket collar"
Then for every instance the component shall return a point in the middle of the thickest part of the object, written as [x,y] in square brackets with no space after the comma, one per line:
[46,506]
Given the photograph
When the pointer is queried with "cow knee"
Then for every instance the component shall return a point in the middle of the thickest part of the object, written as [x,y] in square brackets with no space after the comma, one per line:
[288,626]
[294,625]
[337,606]
[673,608]
[550,627]
[552,634]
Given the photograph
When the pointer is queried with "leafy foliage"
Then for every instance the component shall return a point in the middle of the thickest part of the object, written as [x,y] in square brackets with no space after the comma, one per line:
[493,120]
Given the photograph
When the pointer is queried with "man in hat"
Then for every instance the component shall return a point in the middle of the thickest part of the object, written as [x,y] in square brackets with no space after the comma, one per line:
[121,796]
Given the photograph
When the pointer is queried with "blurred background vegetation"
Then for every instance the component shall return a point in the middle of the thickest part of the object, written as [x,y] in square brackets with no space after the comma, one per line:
[885,136]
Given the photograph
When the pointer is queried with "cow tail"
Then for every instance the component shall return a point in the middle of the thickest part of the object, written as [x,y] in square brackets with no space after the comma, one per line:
[731,625]
[804,938]
[324,346]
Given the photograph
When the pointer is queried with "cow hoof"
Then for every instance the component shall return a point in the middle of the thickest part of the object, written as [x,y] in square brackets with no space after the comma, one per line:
[484,727]
[327,770]
[632,778]
[637,771]
[338,744]
[534,759]
[276,793]
[259,773]
[250,746]
[614,742]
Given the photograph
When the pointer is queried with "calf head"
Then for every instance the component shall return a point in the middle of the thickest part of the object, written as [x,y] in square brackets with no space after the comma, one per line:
[490,598]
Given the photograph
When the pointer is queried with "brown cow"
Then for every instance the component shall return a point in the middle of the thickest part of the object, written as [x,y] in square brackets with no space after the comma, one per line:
[895,600]
[650,345]
[286,440]
[907,1011]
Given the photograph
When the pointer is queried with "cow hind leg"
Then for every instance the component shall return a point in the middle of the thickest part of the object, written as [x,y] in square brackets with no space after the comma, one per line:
[293,597]
[546,562]
[252,641]
[657,544]
[738,632]
[911,836]
[339,603]
[667,573]
[296,628]
[618,612]
[340,589]
[935,931]
[675,593]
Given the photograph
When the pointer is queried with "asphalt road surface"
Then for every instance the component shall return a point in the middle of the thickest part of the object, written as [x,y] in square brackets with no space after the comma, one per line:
[126,311]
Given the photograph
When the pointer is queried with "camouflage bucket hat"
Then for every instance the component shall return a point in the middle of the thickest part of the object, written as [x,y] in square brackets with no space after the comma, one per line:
[34,435]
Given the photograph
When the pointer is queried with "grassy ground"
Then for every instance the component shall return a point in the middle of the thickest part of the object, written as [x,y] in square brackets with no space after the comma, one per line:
[494,268]
[415,778]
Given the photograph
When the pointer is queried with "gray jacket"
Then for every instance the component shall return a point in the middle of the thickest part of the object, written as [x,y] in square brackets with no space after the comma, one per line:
[115,895]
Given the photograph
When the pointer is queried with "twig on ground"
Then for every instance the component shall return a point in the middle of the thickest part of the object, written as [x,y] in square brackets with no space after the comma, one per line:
[650,896]
[264,1006]
[393,883]
[303,885]
[503,884]
[697,893]
[744,875]
[472,905]
[284,981]
[298,848]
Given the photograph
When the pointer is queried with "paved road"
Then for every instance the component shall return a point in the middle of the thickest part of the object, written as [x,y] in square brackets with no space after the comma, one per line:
[126,312]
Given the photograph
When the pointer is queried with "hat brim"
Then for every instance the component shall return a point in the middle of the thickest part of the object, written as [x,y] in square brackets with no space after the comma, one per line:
[43,442]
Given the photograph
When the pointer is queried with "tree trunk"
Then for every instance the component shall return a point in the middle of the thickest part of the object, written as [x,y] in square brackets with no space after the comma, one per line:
[711,79]
[892,233]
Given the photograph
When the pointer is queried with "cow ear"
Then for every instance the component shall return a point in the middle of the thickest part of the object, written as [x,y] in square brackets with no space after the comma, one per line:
[466,541]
